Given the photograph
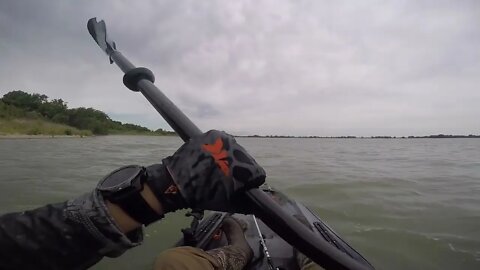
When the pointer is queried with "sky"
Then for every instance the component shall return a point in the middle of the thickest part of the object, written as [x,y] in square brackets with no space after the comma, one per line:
[327,68]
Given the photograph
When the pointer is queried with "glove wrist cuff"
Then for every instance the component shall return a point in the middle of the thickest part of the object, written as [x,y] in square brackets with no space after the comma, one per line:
[164,188]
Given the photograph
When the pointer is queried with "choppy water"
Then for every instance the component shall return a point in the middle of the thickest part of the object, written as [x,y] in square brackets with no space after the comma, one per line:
[404,204]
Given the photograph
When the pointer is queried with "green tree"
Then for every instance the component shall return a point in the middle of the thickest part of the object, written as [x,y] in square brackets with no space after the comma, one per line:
[51,108]
[89,118]
[20,99]
[9,111]
[19,104]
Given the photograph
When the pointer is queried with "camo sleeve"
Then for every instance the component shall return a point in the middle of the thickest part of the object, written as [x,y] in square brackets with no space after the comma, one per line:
[72,235]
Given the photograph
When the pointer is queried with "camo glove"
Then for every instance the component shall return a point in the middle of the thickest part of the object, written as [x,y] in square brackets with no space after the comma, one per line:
[210,171]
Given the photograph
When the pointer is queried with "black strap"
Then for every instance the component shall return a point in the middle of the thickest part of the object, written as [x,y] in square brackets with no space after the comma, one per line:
[138,209]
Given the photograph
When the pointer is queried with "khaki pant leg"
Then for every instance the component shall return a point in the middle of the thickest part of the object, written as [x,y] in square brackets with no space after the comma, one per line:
[183,258]
[306,263]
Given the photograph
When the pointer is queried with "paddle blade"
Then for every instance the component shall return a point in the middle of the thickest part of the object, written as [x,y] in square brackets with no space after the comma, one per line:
[98,31]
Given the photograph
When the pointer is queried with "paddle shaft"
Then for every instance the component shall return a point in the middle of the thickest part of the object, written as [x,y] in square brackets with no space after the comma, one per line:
[259,203]
[182,125]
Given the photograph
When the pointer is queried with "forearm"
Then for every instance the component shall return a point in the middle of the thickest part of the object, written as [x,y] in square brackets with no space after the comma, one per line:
[71,235]
[75,234]
[204,173]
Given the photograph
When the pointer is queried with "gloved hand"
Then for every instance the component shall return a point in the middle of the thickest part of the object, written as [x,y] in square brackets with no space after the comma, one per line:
[208,172]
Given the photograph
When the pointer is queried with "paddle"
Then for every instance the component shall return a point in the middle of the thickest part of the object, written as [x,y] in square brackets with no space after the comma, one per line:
[260,204]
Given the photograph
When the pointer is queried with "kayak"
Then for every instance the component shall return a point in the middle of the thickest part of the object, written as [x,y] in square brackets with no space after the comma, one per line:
[270,250]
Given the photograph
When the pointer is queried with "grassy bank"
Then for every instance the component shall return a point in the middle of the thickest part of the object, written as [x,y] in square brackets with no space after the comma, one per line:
[23,126]
[35,114]
[39,127]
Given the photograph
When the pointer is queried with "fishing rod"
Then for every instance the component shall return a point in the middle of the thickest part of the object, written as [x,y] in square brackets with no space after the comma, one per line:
[141,79]
[264,246]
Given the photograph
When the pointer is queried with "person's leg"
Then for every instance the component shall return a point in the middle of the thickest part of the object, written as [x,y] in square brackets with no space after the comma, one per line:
[183,258]
[306,263]
[238,253]
[232,257]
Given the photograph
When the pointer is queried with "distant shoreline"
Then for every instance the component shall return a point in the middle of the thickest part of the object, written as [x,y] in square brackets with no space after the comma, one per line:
[46,136]
[438,136]
[25,136]
[43,136]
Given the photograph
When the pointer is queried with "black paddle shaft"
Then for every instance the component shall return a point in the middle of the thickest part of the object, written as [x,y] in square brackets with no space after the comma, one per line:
[289,228]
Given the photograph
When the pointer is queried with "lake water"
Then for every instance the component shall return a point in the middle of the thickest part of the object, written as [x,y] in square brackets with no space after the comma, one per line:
[404,204]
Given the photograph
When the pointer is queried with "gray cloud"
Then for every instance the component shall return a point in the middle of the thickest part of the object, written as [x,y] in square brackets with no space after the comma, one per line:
[264,67]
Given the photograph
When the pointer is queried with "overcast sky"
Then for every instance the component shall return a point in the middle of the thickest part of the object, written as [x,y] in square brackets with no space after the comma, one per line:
[259,67]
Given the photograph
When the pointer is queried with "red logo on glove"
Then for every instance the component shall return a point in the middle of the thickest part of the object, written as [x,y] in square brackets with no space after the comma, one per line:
[172,189]
[219,155]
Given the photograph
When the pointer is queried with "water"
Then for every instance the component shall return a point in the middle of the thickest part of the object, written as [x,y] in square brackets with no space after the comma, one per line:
[404,204]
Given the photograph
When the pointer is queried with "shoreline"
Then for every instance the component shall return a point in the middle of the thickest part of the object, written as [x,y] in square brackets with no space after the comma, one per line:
[440,136]
[25,136]
[43,136]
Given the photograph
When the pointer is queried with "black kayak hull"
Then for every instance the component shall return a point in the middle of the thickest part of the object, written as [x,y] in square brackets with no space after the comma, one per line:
[207,235]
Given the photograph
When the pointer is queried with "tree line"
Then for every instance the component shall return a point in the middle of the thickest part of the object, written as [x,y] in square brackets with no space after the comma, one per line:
[19,104]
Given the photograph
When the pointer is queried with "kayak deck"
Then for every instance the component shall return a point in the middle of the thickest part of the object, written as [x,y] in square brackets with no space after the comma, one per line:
[208,235]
